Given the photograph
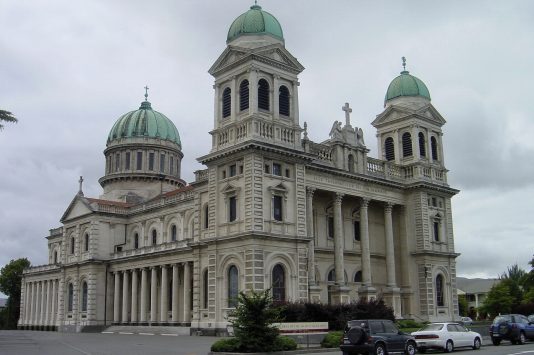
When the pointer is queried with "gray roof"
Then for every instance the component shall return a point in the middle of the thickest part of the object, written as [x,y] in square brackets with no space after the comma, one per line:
[475,285]
[3,302]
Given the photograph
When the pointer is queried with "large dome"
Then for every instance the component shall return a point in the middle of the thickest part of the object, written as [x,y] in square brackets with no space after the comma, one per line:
[406,85]
[144,122]
[255,22]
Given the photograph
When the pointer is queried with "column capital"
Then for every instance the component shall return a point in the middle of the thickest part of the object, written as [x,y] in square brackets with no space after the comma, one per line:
[388,207]
[339,197]
[310,191]
[365,202]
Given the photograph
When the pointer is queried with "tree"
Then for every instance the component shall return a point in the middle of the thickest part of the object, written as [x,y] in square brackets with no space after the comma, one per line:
[6,116]
[463,306]
[498,300]
[253,321]
[10,283]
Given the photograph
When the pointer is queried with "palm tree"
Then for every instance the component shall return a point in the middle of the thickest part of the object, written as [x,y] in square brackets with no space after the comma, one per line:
[6,116]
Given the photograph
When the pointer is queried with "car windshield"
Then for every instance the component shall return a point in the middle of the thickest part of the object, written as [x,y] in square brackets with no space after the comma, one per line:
[500,319]
[433,327]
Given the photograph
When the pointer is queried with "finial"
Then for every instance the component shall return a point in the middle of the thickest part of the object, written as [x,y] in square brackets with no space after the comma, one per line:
[305,130]
[404,63]
[80,192]
[146,93]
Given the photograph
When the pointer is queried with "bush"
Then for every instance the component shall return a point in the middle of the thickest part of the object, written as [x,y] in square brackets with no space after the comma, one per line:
[409,323]
[332,339]
[226,345]
[283,343]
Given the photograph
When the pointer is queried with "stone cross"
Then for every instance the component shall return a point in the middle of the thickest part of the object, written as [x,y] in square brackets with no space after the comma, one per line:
[80,192]
[347,110]
[146,93]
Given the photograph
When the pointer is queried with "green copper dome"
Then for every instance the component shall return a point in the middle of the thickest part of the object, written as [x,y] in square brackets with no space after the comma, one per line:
[406,85]
[255,21]
[145,122]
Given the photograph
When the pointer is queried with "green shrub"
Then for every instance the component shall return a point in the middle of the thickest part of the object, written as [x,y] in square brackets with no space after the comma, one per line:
[332,339]
[409,323]
[283,343]
[226,345]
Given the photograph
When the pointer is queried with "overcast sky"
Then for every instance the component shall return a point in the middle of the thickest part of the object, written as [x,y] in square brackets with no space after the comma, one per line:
[69,69]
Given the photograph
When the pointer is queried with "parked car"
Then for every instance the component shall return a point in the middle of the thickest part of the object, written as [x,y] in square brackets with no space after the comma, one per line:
[513,327]
[446,336]
[466,321]
[376,336]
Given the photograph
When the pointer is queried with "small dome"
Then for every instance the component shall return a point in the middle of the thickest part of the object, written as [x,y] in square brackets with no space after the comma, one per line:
[144,122]
[255,22]
[406,85]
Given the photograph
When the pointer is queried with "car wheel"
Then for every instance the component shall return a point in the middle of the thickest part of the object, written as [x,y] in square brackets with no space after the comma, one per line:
[410,348]
[521,340]
[449,346]
[380,349]
[476,344]
[496,342]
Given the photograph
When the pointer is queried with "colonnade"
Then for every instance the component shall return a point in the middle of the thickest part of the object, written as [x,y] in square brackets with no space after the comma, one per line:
[40,303]
[150,295]
[339,240]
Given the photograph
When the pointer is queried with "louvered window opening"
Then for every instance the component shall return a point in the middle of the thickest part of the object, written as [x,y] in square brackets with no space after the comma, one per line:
[390,149]
[243,95]
[434,146]
[279,283]
[439,291]
[407,145]
[422,149]
[263,95]
[226,102]
[283,101]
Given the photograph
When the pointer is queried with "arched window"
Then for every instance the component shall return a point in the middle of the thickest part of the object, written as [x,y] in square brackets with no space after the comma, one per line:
[84,296]
[330,227]
[435,229]
[86,242]
[154,237]
[407,145]
[226,102]
[70,297]
[136,241]
[279,283]
[422,145]
[351,163]
[277,208]
[331,276]
[243,95]
[283,101]
[389,148]
[434,146]
[173,233]
[72,242]
[263,95]
[205,289]
[439,291]
[358,276]
[55,256]
[233,286]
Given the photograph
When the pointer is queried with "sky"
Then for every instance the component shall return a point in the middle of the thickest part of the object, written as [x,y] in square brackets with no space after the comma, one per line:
[70,69]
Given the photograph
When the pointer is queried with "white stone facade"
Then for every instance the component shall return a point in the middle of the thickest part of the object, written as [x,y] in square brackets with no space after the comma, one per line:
[273,209]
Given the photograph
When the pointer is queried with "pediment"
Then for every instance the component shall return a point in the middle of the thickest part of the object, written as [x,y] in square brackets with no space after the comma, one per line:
[274,55]
[78,207]
[230,189]
[395,113]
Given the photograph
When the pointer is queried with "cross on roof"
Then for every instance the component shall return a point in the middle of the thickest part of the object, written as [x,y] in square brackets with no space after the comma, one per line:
[347,110]
[80,192]
[146,93]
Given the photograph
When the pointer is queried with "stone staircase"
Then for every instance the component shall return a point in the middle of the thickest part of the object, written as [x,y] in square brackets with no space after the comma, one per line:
[147,330]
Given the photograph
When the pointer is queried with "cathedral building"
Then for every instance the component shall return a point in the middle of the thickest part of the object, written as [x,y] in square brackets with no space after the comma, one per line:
[273,209]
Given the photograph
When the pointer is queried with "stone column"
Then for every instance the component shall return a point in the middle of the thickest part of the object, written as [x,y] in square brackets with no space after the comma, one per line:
[175,284]
[38,296]
[364,241]
[135,290]
[215,107]
[144,293]
[233,100]
[253,91]
[43,302]
[309,227]
[27,302]
[125,296]
[390,248]
[31,317]
[187,292]
[164,306]
[339,242]
[295,102]
[54,302]
[276,98]
[154,295]
[116,298]
[47,311]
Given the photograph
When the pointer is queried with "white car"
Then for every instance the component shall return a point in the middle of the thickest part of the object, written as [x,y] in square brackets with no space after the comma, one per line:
[446,336]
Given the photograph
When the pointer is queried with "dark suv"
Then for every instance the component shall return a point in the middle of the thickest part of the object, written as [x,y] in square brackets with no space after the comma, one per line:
[375,336]
[513,327]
